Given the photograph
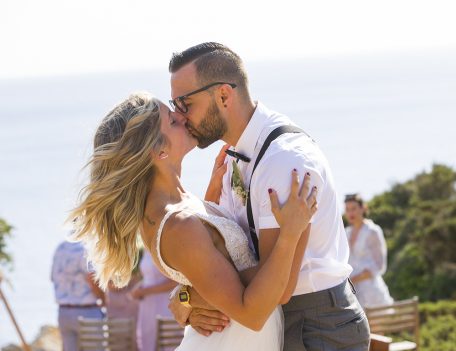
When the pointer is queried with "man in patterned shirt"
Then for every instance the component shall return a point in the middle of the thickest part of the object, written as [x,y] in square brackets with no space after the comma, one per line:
[76,291]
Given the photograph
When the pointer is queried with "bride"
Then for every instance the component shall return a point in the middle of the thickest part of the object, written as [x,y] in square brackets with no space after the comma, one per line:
[135,188]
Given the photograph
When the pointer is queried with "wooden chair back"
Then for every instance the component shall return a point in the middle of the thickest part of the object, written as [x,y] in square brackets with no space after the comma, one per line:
[106,334]
[169,334]
[396,318]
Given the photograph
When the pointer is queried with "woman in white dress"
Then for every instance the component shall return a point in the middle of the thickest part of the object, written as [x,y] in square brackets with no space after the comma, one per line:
[367,255]
[135,188]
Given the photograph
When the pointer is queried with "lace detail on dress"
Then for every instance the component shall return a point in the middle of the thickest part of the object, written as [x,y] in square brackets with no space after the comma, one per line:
[236,242]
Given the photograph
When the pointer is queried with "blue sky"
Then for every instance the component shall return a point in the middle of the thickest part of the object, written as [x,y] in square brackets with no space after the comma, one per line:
[54,37]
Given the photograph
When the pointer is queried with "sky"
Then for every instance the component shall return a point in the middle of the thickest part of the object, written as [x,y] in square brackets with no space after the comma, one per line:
[61,37]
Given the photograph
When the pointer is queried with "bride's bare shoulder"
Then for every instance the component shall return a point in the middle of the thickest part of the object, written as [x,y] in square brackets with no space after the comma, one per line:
[184,226]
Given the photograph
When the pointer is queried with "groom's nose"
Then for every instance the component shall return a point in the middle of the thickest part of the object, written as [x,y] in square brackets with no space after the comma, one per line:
[180,117]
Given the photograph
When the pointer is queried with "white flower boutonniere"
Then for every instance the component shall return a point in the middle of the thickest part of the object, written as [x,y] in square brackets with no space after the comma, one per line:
[237,185]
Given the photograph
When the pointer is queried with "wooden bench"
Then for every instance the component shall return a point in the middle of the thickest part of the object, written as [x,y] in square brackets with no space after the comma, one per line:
[169,334]
[395,318]
[107,334]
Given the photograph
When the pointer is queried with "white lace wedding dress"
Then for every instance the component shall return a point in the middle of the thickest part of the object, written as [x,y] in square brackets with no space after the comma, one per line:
[235,337]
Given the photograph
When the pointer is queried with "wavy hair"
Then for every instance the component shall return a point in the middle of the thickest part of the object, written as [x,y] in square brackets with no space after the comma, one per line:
[112,205]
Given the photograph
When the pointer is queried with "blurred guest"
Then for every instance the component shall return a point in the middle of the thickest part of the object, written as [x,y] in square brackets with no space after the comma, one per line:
[367,254]
[119,303]
[153,293]
[76,291]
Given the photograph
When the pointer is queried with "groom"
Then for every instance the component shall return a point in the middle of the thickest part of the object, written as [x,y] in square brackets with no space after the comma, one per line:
[209,86]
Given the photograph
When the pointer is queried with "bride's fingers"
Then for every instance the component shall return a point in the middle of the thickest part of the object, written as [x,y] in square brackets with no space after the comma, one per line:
[221,170]
[274,201]
[312,198]
[220,159]
[294,183]
[305,186]
[314,209]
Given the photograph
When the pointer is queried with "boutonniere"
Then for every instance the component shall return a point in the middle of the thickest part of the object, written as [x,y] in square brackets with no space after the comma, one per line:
[237,185]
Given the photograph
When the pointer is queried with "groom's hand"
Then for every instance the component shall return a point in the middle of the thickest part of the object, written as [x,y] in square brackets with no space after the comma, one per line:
[201,316]
[204,318]
[207,321]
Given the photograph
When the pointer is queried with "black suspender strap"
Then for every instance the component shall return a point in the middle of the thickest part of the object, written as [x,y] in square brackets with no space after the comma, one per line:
[271,137]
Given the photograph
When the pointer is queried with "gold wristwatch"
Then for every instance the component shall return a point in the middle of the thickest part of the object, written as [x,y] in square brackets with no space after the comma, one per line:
[184,296]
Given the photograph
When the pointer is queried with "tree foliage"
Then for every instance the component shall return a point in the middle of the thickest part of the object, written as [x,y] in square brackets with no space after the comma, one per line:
[5,230]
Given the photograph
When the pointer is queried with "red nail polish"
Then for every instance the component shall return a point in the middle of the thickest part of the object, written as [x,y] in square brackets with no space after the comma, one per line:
[294,169]
[269,190]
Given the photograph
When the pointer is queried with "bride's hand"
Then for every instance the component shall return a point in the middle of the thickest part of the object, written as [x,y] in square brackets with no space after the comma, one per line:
[294,216]
[214,189]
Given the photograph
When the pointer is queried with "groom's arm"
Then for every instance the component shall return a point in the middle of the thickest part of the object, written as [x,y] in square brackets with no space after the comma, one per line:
[201,316]
[268,238]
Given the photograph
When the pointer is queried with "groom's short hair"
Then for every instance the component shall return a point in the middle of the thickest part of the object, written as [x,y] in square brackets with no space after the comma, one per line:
[214,62]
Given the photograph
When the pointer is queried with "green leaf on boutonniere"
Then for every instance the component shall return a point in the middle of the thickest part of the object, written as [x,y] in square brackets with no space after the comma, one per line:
[237,184]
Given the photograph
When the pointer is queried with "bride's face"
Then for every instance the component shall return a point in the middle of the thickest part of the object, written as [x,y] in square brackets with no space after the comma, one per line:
[173,127]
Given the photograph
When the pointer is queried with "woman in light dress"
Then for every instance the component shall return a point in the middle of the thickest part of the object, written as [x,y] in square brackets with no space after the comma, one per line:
[135,188]
[152,293]
[367,255]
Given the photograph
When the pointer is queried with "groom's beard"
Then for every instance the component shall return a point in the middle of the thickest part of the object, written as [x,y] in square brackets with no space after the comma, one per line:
[211,128]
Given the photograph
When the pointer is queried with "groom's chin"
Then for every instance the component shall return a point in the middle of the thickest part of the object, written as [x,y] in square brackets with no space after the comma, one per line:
[202,144]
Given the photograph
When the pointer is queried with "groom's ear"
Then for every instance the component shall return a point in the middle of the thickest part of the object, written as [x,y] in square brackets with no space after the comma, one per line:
[226,95]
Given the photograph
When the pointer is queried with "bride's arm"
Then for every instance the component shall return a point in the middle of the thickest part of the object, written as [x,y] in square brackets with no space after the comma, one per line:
[187,247]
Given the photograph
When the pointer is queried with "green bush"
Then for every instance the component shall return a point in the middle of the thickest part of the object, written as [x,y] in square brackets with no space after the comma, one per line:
[437,326]
[438,333]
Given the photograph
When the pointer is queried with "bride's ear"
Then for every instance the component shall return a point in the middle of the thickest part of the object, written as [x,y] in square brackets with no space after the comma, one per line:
[157,156]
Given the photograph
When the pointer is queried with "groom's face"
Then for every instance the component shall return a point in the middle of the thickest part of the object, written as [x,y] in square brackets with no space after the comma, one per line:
[204,120]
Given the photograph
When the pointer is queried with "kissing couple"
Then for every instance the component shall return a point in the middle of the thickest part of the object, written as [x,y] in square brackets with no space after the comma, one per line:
[259,266]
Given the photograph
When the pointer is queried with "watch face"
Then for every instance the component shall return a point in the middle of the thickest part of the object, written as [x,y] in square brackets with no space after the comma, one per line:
[183,296]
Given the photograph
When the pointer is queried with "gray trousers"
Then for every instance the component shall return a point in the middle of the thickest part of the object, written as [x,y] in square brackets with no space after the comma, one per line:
[68,324]
[326,320]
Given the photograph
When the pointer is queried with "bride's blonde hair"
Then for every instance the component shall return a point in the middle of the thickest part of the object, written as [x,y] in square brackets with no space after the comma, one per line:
[112,205]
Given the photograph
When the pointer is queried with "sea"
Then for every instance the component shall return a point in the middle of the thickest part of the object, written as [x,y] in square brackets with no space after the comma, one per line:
[379,118]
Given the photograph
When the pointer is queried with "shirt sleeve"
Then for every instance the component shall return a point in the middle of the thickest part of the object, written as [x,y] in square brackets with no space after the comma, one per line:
[376,246]
[275,173]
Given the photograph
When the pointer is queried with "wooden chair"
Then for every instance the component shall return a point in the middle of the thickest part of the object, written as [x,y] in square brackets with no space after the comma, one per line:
[169,334]
[107,334]
[379,342]
[396,318]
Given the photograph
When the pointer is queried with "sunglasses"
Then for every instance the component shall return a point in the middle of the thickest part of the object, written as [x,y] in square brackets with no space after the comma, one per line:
[179,102]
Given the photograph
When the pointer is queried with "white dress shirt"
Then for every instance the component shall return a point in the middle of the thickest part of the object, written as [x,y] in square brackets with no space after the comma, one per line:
[325,262]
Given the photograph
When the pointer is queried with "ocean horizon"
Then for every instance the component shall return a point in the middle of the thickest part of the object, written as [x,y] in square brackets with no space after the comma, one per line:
[379,119]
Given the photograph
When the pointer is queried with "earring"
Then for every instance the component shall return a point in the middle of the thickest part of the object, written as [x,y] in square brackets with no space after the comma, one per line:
[162,155]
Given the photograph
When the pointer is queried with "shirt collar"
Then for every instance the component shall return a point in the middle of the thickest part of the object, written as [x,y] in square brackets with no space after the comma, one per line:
[249,137]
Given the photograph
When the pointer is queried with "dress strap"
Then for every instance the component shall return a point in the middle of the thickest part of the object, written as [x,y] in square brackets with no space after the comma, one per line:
[173,274]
